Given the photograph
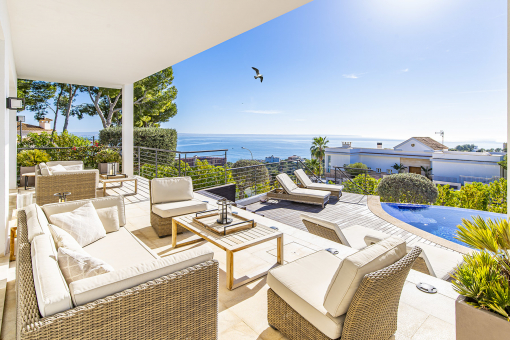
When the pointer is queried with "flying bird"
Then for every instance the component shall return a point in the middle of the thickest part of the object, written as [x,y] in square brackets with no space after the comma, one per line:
[258,74]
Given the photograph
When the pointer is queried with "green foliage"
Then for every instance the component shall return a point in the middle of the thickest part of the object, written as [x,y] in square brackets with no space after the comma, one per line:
[28,158]
[365,185]
[108,156]
[427,171]
[488,197]
[352,168]
[407,188]
[503,163]
[484,276]
[248,176]
[158,138]
[318,150]
[465,147]
[64,140]
[313,164]
[399,167]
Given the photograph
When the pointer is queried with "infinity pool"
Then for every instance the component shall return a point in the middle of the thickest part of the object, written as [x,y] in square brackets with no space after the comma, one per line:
[437,220]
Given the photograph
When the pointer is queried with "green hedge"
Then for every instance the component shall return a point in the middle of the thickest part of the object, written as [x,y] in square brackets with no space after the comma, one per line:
[149,137]
[407,188]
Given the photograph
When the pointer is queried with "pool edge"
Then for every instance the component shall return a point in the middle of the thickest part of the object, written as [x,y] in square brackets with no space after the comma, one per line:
[374,204]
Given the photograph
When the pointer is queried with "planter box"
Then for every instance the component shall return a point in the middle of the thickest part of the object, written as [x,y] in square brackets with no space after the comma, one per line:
[474,323]
[103,168]
[24,170]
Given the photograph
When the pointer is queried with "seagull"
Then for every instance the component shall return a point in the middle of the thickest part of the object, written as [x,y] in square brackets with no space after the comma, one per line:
[258,74]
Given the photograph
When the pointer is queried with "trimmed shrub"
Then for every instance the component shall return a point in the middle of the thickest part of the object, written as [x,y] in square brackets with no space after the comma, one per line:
[149,137]
[108,156]
[28,158]
[352,168]
[407,188]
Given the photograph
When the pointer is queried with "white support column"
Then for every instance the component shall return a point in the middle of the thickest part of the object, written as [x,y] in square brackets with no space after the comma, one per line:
[127,129]
[4,148]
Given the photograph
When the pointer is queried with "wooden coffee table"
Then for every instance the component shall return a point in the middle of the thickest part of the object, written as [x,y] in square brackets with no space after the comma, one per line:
[104,180]
[231,243]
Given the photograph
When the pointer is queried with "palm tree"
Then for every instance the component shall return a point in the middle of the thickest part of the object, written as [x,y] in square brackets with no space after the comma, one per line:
[313,164]
[427,171]
[318,150]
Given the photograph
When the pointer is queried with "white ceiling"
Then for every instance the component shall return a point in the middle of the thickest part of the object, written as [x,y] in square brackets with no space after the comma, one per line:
[113,42]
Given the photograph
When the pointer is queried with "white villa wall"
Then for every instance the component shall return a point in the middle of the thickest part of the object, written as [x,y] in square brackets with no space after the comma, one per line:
[418,147]
[382,162]
[455,169]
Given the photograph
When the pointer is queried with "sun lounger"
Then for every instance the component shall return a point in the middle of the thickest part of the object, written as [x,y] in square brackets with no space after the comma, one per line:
[291,192]
[306,182]
[433,260]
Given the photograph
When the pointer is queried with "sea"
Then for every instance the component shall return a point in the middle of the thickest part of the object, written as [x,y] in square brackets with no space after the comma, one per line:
[282,146]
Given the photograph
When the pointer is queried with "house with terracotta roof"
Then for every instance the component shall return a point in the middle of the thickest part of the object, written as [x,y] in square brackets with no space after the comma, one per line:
[44,126]
[415,153]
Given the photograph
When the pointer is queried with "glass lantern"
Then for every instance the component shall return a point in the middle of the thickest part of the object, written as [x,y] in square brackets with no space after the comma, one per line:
[111,169]
[224,211]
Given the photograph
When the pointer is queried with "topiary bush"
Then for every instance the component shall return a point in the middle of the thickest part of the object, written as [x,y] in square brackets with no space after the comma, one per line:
[27,158]
[149,137]
[407,188]
[108,156]
[352,168]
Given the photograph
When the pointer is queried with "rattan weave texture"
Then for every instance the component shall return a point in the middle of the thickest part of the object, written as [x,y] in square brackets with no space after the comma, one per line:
[182,305]
[81,186]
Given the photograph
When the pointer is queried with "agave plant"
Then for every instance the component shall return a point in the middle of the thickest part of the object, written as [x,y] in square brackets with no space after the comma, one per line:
[484,277]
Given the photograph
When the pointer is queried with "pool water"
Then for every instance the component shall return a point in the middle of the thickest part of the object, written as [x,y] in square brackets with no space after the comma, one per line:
[437,220]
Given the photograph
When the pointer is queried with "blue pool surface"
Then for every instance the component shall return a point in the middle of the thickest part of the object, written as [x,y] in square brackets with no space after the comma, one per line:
[437,220]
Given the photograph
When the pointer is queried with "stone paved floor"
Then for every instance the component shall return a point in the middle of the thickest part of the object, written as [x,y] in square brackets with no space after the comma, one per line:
[243,311]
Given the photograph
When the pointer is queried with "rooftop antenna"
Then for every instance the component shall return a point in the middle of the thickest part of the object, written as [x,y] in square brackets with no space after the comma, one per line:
[441,132]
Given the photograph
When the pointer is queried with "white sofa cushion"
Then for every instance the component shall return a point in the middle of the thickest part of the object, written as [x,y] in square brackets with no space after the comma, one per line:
[83,224]
[110,218]
[121,249]
[45,170]
[67,164]
[93,288]
[57,167]
[37,223]
[286,182]
[78,265]
[99,203]
[50,286]
[353,268]
[303,285]
[303,177]
[63,239]
[172,209]
[171,189]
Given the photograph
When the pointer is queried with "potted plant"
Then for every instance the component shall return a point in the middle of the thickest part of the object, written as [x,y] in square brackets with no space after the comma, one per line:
[106,156]
[28,159]
[483,281]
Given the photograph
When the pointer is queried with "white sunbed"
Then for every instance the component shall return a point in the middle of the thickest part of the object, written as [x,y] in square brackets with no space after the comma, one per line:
[291,192]
[435,261]
[336,190]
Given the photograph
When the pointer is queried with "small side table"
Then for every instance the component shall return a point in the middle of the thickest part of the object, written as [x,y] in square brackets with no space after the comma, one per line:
[14,233]
[27,175]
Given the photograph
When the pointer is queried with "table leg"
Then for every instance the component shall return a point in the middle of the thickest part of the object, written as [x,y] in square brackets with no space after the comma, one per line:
[12,257]
[230,269]
[279,249]
[174,233]
[104,189]
[136,186]
[26,182]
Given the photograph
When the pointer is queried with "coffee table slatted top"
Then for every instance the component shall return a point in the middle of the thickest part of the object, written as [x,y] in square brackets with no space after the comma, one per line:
[235,241]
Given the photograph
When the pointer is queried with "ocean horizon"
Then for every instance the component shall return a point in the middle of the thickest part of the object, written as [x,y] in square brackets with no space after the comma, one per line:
[281,146]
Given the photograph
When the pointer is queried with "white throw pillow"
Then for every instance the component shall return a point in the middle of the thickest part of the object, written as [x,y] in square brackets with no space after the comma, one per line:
[45,171]
[83,224]
[63,239]
[75,167]
[76,266]
[57,167]
[110,218]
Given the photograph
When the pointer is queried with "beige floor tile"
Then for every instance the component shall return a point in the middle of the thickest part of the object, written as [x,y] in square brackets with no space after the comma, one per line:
[293,251]
[240,331]
[409,320]
[435,329]
[226,320]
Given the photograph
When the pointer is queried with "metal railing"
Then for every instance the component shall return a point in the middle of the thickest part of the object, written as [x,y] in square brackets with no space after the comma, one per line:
[357,184]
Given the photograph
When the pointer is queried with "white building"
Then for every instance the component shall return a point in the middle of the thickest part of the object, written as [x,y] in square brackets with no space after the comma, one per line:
[418,152]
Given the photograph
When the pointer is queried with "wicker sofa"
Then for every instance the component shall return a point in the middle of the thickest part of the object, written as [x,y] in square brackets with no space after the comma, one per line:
[159,298]
[81,183]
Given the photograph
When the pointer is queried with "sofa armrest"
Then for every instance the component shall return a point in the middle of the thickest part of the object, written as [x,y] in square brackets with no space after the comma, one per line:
[97,287]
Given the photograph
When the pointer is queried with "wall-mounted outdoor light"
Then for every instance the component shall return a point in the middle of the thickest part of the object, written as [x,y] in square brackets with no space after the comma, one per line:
[20,120]
[14,103]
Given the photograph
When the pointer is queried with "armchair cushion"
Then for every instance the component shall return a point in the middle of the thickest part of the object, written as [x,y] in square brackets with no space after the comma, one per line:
[171,189]
[97,287]
[37,223]
[50,286]
[172,209]
[303,285]
[353,268]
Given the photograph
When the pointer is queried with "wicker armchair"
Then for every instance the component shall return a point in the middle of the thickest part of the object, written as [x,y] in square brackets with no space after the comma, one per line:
[182,305]
[82,184]
[372,313]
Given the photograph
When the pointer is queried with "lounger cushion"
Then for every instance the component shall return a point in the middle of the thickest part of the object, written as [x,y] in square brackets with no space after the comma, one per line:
[99,203]
[303,285]
[121,249]
[171,189]
[50,286]
[37,223]
[172,209]
[353,268]
[322,186]
[310,193]
[97,287]
[303,177]
[286,182]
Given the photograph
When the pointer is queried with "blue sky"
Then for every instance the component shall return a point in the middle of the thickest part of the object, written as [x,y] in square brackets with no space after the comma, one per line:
[388,69]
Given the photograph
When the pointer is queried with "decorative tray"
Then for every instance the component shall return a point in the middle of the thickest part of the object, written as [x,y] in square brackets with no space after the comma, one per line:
[104,176]
[209,219]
